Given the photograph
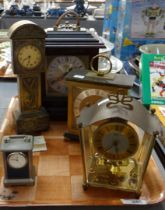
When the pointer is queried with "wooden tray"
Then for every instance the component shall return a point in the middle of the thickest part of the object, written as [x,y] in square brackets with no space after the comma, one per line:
[59,176]
[8,77]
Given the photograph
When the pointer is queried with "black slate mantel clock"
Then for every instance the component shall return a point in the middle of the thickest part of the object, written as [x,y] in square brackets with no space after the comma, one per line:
[28,60]
[65,51]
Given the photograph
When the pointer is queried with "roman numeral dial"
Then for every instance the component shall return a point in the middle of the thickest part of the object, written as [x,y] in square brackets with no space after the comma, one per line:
[116,140]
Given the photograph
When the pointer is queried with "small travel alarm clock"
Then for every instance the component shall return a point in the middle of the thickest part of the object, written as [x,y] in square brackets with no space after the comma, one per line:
[17,159]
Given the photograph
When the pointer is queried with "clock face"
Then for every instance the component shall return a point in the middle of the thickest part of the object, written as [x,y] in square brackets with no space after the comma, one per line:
[116,140]
[29,56]
[58,69]
[87,98]
[17,160]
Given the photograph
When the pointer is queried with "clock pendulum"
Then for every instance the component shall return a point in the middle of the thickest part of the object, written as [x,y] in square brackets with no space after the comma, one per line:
[87,87]
[28,59]
[116,143]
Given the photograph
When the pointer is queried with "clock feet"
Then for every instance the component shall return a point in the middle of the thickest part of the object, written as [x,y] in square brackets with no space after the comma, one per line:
[19,182]
[22,181]
[71,136]
[31,122]
[85,186]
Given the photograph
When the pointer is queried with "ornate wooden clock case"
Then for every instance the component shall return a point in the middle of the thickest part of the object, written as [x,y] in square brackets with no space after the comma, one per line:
[28,59]
[66,50]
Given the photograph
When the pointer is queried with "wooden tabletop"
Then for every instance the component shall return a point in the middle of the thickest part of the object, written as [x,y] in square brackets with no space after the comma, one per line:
[59,175]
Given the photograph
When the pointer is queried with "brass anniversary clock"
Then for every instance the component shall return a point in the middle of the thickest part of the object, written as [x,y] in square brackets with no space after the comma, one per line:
[65,51]
[18,160]
[87,87]
[117,137]
[28,60]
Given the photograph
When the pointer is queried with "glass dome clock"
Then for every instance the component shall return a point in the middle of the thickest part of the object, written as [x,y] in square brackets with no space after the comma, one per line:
[116,143]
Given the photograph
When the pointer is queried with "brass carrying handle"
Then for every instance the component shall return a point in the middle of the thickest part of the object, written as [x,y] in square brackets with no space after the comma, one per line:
[63,16]
[98,72]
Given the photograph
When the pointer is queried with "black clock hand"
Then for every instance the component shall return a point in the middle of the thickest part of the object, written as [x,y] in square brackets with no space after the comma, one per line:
[61,77]
[115,145]
[109,148]
[15,159]
[27,58]
[116,149]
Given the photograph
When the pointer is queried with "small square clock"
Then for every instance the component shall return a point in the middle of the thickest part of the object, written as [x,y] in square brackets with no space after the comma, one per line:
[17,159]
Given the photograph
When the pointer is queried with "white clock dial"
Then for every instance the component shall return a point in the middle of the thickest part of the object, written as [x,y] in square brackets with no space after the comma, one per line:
[29,57]
[58,69]
[17,160]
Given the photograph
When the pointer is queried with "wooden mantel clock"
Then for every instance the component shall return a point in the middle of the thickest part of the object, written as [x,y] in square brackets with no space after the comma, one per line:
[87,87]
[28,60]
[117,138]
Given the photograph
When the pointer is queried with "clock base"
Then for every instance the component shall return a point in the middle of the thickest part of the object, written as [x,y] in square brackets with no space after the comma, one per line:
[31,122]
[14,182]
[122,175]
[71,136]
[28,181]
[57,109]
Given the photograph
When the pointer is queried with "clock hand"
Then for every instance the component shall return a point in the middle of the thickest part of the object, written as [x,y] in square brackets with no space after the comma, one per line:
[15,159]
[26,58]
[116,149]
[61,77]
[115,145]
[109,148]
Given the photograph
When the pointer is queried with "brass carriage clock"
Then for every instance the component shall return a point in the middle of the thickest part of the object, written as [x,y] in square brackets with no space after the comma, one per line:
[87,87]
[117,137]
[66,50]
[18,160]
[28,59]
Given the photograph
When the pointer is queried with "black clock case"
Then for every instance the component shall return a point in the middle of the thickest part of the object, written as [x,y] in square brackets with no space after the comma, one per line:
[75,43]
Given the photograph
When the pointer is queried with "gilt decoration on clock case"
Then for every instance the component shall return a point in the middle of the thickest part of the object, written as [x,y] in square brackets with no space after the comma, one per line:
[28,60]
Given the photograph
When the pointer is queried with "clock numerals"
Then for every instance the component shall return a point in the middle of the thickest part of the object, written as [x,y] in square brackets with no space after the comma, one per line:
[116,140]
[58,69]
[29,56]
[17,160]
[87,98]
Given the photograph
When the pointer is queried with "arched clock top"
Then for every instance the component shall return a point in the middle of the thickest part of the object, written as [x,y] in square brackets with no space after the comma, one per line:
[26,29]
[125,108]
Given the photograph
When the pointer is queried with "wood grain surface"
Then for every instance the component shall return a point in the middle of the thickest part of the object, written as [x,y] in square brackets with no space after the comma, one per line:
[59,175]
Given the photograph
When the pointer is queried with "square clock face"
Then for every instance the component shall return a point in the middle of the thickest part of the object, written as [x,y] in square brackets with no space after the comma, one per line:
[58,67]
